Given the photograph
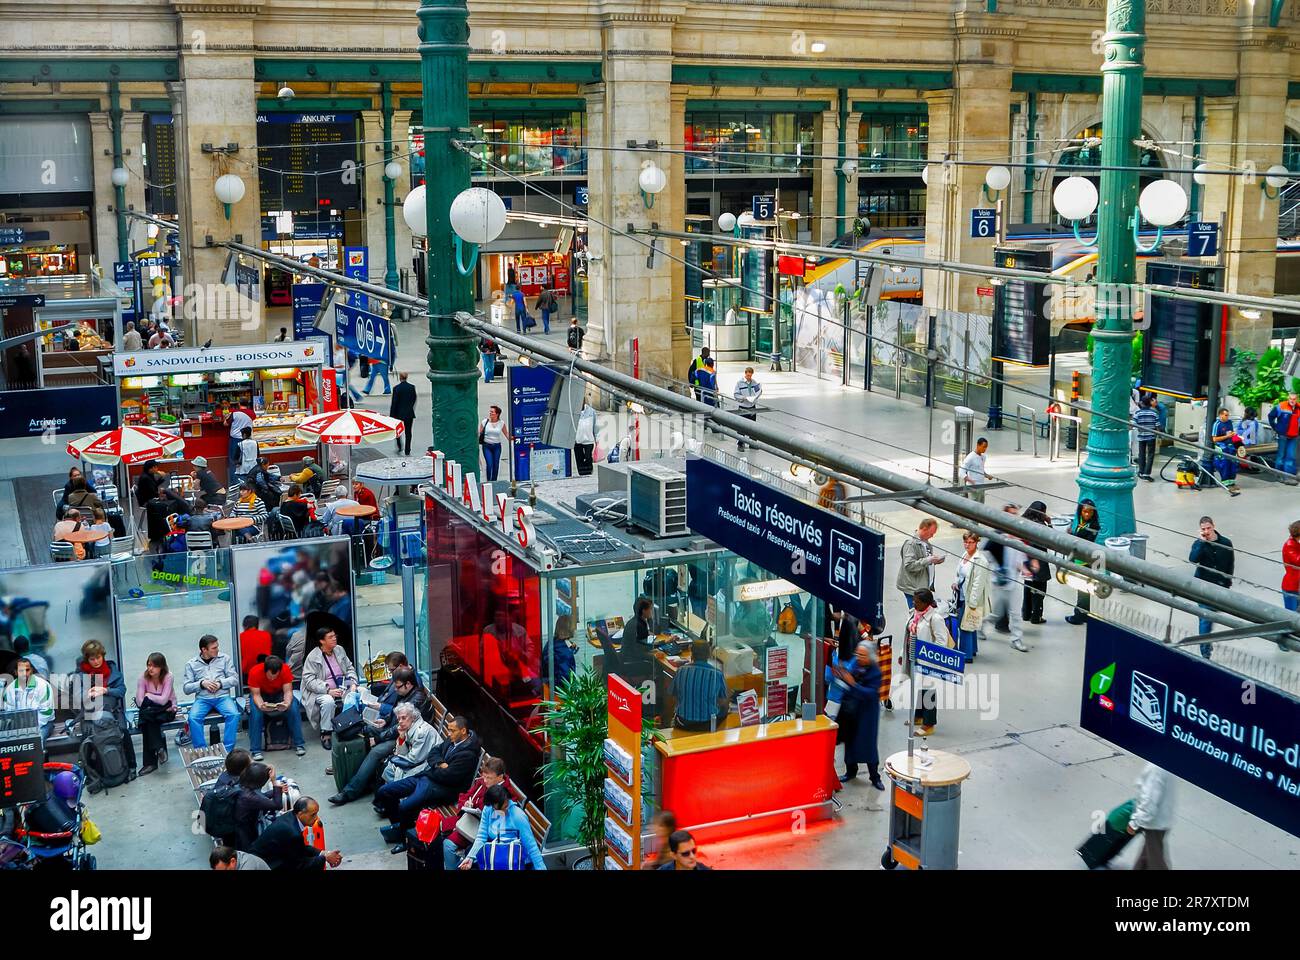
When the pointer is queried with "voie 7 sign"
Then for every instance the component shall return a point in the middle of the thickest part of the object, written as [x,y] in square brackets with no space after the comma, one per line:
[819,551]
[1223,731]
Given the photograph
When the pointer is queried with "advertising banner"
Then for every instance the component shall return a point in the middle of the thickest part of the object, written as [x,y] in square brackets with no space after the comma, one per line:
[1224,732]
[818,551]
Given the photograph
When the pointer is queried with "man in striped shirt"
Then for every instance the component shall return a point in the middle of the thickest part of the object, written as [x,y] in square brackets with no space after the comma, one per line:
[1147,420]
[701,692]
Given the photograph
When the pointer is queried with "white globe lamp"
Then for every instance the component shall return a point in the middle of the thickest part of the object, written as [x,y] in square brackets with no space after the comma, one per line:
[229,190]
[392,170]
[727,222]
[478,215]
[1075,198]
[413,212]
[997,179]
[120,177]
[1163,203]
[1201,174]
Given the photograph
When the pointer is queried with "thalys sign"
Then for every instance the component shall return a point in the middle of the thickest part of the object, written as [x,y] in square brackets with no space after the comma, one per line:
[496,510]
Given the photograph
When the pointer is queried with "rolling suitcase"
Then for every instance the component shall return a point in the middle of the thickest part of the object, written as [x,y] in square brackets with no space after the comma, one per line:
[346,757]
[276,733]
[1100,848]
[423,856]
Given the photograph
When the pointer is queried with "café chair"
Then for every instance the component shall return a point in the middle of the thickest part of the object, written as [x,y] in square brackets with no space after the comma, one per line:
[61,551]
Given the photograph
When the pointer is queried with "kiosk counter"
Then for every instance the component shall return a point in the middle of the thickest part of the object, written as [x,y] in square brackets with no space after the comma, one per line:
[190,391]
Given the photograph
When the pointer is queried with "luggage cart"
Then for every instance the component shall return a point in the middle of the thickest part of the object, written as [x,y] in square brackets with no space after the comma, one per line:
[924,810]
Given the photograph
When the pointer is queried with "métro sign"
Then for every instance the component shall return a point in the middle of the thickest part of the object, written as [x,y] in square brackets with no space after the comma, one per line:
[1224,732]
[818,551]
[365,334]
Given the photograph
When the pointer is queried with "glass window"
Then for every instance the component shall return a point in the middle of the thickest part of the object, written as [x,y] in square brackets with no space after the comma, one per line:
[734,142]
[892,142]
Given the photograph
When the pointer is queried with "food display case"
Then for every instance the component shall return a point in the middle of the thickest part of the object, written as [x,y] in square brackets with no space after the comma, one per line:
[193,391]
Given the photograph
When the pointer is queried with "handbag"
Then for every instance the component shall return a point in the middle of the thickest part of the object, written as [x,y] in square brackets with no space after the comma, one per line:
[501,855]
[468,824]
[399,768]
[1118,819]
[349,724]
[482,432]
[429,825]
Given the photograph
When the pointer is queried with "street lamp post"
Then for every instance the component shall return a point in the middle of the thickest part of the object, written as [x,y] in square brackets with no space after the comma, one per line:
[1107,476]
[453,355]
[119,189]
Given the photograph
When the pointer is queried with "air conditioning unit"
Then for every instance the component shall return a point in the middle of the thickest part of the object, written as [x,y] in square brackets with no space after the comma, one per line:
[656,497]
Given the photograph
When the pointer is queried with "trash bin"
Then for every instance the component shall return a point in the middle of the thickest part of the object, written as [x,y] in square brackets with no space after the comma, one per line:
[924,810]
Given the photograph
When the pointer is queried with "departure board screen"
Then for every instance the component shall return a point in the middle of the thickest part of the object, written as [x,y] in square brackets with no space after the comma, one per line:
[160,165]
[1176,351]
[1021,329]
[308,161]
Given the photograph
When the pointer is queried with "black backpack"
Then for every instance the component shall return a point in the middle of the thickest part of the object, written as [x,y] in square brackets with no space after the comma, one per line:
[103,752]
[218,806]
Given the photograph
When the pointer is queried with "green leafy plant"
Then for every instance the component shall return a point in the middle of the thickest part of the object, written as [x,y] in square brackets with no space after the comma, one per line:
[575,723]
[1258,379]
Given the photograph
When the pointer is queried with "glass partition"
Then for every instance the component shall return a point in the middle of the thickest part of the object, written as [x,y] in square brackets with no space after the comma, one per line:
[165,603]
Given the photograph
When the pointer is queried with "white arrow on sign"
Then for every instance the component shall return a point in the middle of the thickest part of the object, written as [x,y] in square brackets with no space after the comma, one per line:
[379,336]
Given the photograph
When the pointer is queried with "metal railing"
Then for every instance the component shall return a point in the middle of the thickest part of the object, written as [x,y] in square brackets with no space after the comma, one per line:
[1033,426]
[1054,436]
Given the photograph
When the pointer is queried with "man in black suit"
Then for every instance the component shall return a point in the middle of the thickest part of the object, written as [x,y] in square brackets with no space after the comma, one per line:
[451,771]
[403,408]
[284,846]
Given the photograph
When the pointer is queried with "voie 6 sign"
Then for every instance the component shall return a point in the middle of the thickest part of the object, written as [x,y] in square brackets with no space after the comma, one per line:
[1225,732]
[818,551]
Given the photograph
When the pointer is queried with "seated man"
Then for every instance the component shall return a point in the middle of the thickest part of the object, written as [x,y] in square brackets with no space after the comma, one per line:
[311,476]
[383,735]
[282,845]
[211,679]
[701,692]
[297,509]
[328,514]
[451,771]
[506,637]
[456,843]
[270,688]
[71,522]
[29,691]
[228,858]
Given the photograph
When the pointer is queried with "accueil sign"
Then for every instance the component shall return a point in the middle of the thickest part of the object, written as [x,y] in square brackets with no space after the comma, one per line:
[496,510]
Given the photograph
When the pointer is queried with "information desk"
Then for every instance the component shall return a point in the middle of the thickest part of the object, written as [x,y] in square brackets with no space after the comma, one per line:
[740,780]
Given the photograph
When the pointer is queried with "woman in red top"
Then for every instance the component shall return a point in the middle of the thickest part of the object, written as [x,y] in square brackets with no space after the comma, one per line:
[364,495]
[1291,560]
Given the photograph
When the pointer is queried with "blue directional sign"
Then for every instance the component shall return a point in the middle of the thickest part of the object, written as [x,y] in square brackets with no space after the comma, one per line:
[530,392]
[365,334]
[306,304]
[581,196]
[983,222]
[817,550]
[1202,239]
[1231,735]
[938,661]
[60,410]
[9,235]
[764,207]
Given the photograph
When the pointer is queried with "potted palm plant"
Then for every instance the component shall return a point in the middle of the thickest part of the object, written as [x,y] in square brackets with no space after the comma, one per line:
[575,724]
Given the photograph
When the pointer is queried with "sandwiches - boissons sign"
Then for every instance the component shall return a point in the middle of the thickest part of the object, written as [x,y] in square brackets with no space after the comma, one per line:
[497,510]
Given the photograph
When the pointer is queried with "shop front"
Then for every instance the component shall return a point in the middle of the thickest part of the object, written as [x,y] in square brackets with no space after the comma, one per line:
[191,392]
[517,606]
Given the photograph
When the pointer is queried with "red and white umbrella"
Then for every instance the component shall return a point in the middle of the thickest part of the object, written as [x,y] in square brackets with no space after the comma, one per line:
[350,427]
[127,445]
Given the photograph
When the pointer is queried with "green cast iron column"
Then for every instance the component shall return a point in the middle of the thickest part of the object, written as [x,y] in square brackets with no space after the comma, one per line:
[390,236]
[842,152]
[119,193]
[1107,476]
[453,354]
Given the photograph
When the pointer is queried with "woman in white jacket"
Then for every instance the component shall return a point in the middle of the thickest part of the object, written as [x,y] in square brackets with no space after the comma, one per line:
[973,594]
[327,674]
[926,624]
